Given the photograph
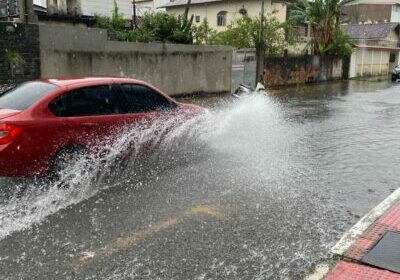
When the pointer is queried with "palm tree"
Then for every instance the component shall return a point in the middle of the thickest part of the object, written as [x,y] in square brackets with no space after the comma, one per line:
[323,16]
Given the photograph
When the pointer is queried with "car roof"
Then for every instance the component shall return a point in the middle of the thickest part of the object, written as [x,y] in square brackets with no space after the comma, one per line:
[69,81]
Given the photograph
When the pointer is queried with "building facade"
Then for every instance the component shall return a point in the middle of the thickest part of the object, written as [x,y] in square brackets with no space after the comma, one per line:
[377,48]
[152,5]
[220,13]
[372,11]
[89,7]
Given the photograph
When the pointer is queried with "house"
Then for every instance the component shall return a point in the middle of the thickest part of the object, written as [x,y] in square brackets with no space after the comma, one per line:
[220,13]
[89,7]
[154,5]
[377,48]
[372,11]
[19,10]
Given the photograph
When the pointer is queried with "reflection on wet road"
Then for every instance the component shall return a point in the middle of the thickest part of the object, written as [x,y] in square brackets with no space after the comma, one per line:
[259,189]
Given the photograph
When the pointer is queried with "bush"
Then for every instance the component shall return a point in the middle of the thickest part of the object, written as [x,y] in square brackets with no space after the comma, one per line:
[244,33]
[204,34]
[154,27]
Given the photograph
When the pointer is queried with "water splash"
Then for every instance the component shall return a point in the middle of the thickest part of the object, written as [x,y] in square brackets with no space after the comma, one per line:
[116,159]
[255,148]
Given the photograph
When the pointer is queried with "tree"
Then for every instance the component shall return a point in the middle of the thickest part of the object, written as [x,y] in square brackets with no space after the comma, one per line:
[323,16]
[159,27]
[204,33]
[244,33]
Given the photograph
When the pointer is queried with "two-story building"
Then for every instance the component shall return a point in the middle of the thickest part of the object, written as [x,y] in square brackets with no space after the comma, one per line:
[374,27]
[372,11]
[377,48]
[220,13]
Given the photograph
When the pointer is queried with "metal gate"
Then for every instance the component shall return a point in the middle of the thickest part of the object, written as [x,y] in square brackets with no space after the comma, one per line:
[243,67]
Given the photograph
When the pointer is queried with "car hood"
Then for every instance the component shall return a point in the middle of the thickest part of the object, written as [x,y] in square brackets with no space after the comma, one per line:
[5,113]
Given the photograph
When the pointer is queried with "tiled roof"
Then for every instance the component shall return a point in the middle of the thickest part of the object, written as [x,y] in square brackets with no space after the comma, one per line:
[369,31]
[173,3]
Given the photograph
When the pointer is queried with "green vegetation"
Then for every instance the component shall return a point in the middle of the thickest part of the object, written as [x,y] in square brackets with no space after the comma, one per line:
[204,34]
[154,27]
[168,28]
[324,18]
[244,33]
[14,58]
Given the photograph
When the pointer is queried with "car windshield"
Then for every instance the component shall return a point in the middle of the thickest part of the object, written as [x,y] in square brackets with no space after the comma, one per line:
[25,95]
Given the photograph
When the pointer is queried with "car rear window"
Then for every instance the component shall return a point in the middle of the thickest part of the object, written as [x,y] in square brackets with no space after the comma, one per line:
[25,95]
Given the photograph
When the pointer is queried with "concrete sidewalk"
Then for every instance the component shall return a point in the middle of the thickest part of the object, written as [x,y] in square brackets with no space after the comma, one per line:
[370,250]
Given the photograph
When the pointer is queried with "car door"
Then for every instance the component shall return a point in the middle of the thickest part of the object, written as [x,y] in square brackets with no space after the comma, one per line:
[148,112]
[90,115]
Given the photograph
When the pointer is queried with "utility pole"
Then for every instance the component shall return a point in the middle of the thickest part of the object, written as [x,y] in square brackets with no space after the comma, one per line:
[260,47]
[26,11]
[134,23]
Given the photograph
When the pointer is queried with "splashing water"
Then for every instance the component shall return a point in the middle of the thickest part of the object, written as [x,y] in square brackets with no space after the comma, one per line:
[33,200]
[242,140]
[234,128]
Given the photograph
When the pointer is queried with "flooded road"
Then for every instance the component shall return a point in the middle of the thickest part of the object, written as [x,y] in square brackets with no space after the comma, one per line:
[260,188]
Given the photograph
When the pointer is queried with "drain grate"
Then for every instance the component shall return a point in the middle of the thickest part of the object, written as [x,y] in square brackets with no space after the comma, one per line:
[386,253]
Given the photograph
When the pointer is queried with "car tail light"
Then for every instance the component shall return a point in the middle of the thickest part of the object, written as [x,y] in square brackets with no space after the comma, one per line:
[8,133]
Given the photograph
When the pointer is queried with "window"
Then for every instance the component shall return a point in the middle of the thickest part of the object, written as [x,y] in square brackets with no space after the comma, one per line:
[221,18]
[25,95]
[392,58]
[144,99]
[89,101]
[243,12]
[197,18]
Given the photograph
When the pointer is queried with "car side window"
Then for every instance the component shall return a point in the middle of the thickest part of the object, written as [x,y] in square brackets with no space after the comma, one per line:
[144,99]
[87,101]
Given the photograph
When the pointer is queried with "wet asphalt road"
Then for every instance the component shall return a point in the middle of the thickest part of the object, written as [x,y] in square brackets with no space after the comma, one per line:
[262,190]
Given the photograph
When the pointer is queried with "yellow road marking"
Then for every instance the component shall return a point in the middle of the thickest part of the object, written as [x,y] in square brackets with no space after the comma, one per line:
[124,243]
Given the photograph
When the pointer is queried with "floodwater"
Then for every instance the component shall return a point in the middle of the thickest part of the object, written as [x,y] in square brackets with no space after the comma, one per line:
[260,188]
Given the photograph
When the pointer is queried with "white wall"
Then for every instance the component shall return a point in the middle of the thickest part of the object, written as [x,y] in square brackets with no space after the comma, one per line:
[395,17]
[372,62]
[154,4]
[144,6]
[353,65]
[42,3]
[105,7]
[160,3]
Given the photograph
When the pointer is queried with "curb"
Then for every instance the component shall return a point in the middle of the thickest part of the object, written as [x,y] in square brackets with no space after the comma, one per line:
[355,232]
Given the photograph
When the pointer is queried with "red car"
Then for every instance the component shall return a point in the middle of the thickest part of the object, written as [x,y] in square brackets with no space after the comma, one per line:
[41,120]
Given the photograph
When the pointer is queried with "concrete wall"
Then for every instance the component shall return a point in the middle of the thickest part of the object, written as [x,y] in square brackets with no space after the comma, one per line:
[175,69]
[232,7]
[279,71]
